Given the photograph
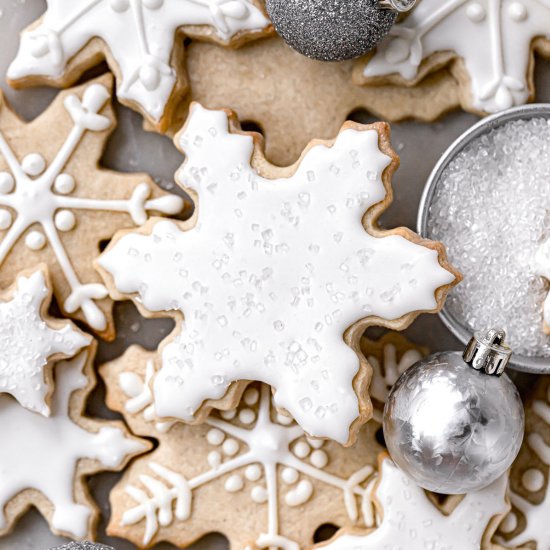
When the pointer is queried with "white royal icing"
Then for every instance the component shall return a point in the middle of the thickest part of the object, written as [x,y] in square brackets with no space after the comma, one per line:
[493,37]
[542,268]
[42,453]
[27,343]
[140,37]
[39,196]
[266,452]
[272,275]
[410,520]
[533,480]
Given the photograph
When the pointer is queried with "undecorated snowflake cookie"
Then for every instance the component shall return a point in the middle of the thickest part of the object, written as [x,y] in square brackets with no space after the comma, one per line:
[44,461]
[488,44]
[389,356]
[529,479]
[57,205]
[138,38]
[249,473]
[31,341]
[277,275]
[409,520]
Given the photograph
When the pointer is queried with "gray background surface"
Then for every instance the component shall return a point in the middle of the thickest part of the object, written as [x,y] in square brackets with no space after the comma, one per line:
[131,149]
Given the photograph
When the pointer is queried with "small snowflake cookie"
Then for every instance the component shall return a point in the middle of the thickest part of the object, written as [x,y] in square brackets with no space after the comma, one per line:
[408,519]
[527,524]
[44,461]
[57,205]
[389,356]
[139,40]
[277,275]
[31,341]
[291,115]
[488,45]
[249,472]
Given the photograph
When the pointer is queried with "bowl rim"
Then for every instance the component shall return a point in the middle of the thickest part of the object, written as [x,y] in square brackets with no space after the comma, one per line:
[534,364]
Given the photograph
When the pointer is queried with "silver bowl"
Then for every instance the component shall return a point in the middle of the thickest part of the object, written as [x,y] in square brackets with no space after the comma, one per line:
[536,365]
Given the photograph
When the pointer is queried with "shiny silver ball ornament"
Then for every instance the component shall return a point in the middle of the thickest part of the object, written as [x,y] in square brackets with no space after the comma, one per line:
[454,422]
[333,30]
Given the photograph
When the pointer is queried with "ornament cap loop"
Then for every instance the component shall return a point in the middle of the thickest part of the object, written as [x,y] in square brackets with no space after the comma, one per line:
[399,6]
[487,352]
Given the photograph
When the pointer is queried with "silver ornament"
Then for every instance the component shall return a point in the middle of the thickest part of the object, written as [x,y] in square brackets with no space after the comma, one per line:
[83,545]
[453,422]
[333,30]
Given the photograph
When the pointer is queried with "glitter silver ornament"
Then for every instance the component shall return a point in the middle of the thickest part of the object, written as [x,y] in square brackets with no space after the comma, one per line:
[454,422]
[83,545]
[333,30]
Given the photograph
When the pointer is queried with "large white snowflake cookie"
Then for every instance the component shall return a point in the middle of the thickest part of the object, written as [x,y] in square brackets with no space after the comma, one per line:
[138,38]
[250,459]
[489,45]
[57,205]
[277,275]
[408,519]
[44,461]
[527,523]
[31,341]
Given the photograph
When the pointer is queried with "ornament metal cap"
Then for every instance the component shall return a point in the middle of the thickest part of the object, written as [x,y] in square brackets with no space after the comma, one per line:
[399,6]
[487,352]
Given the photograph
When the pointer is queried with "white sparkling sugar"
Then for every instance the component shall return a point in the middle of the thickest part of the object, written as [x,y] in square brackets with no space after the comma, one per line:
[491,209]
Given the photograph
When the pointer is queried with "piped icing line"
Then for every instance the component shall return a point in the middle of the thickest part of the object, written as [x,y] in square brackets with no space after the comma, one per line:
[252,448]
[274,272]
[410,520]
[37,205]
[139,36]
[52,455]
[533,480]
[492,38]
[31,342]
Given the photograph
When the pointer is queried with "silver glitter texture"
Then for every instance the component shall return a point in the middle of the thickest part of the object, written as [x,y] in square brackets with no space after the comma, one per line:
[84,545]
[451,428]
[331,30]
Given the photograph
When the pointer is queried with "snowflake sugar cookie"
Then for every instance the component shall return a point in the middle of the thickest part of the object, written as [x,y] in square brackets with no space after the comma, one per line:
[489,43]
[56,205]
[273,269]
[31,341]
[389,357]
[250,459]
[409,520]
[530,489]
[44,461]
[139,40]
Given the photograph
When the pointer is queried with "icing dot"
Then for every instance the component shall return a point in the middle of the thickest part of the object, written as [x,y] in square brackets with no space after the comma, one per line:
[5,218]
[517,11]
[230,447]
[64,184]
[251,396]
[35,240]
[319,459]
[119,5]
[6,182]
[234,484]
[533,480]
[228,415]
[315,443]
[215,437]
[33,164]
[301,494]
[301,449]
[253,472]
[259,494]
[214,459]
[284,420]
[475,12]
[290,476]
[149,77]
[64,220]
[247,416]
[509,523]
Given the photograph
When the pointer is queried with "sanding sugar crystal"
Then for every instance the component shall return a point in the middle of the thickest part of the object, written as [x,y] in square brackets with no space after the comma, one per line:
[491,208]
